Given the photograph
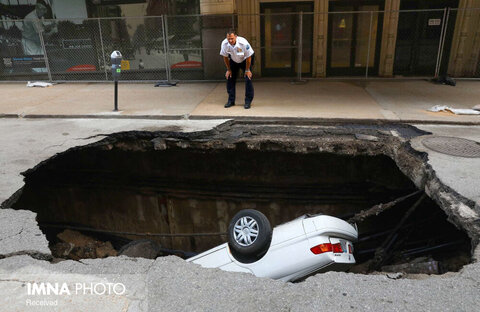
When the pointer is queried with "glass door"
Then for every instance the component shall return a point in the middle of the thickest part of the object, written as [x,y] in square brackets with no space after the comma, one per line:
[280,38]
[277,52]
[354,38]
[341,34]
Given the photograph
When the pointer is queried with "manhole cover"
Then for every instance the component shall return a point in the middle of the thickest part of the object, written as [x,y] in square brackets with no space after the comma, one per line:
[453,146]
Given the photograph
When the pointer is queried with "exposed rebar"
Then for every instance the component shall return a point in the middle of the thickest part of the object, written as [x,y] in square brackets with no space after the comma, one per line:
[377,209]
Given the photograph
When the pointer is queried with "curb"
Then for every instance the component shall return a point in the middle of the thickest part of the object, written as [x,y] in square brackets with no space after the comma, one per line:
[291,120]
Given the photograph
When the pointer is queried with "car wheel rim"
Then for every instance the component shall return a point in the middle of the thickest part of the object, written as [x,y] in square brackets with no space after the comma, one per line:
[245,231]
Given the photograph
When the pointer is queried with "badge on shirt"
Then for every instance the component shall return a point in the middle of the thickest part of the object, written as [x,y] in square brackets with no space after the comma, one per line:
[240,51]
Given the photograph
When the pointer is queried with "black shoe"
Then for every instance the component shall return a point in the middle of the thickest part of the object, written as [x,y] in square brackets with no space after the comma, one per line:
[247,105]
[229,104]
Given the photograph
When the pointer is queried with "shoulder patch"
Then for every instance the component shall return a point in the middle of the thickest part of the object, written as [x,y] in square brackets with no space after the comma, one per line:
[247,47]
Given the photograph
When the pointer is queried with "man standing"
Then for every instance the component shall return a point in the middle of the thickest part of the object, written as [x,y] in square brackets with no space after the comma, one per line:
[237,53]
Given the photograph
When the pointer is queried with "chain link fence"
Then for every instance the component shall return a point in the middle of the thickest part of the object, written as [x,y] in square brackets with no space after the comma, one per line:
[421,43]
[418,42]
[194,44]
[142,43]
[72,49]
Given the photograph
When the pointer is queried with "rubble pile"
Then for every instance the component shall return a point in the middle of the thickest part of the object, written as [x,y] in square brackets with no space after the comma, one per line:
[74,245]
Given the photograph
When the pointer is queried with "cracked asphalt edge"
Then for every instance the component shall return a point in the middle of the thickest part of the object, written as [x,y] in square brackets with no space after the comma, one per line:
[174,285]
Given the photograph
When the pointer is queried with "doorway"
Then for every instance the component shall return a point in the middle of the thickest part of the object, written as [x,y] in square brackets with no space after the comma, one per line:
[351,49]
[280,38]
[418,37]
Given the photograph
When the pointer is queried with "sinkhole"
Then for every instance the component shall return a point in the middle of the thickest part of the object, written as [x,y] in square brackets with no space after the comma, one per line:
[182,193]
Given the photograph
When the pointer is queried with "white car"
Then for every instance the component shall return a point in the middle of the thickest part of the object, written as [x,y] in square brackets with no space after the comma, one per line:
[294,250]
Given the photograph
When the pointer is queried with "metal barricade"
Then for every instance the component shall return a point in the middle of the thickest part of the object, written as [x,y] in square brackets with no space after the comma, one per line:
[354,46]
[419,42]
[298,45]
[462,44]
[194,45]
[283,50]
[142,43]
[73,50]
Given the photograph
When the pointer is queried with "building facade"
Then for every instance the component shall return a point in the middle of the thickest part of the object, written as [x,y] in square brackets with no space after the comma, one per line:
[387,37]
[180,39]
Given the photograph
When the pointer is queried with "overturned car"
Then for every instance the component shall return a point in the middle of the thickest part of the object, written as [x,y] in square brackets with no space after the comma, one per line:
[292,251]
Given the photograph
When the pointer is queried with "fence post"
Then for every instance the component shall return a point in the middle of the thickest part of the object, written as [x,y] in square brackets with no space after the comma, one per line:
[300,46]
[166,47]
[45,57]
[369,43]
[441,44]
[103,48]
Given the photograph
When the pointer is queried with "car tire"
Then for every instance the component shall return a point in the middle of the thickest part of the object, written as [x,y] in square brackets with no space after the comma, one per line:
[249,235]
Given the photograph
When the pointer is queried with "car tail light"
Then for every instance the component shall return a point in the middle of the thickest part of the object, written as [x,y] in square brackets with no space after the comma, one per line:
[337,248]
[321,248]
[350,249]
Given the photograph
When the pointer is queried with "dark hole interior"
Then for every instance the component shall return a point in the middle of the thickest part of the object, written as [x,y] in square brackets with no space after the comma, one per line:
[187,190]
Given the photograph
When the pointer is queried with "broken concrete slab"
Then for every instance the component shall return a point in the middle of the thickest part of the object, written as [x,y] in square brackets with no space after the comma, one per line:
[109,286]
[171,284]
[20,234]
[452,181]
[461,174]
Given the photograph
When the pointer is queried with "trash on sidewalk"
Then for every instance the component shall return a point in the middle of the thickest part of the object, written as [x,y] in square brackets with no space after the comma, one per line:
[39,84]
[456,111]
[445,80]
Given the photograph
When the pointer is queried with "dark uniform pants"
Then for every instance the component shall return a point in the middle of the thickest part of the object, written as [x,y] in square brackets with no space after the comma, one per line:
[231,82]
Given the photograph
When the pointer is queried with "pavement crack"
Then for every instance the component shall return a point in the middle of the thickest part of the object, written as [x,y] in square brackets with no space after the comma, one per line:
[55,145]
[10,236]
[94,136]
[150,266]
[14,280]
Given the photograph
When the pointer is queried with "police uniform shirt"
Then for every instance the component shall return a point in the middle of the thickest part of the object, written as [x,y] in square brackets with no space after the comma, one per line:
[239,52]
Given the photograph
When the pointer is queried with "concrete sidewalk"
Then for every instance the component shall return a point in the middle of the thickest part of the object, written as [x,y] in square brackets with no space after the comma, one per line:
[405,101]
